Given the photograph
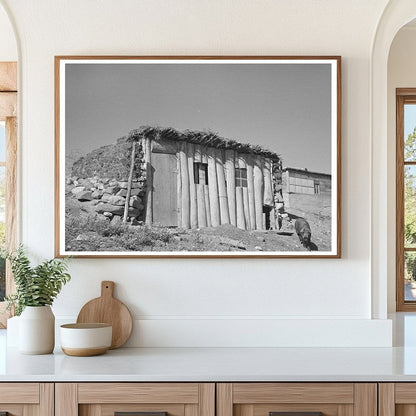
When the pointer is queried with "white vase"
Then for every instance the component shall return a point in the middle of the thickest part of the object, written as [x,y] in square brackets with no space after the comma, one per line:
[37,330]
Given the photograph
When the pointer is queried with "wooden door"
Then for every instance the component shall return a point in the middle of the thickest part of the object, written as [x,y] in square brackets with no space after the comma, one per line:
[297,399]
[144,399]
[165,208]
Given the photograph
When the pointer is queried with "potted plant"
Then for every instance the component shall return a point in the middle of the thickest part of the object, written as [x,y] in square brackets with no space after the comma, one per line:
[36,289]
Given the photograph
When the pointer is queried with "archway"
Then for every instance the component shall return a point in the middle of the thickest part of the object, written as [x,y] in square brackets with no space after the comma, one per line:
[396,15]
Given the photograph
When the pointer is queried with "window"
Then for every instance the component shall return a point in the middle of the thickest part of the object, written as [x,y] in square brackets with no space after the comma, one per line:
[201,173]
[8,165]
[241,177]
[316,188]
[406,200]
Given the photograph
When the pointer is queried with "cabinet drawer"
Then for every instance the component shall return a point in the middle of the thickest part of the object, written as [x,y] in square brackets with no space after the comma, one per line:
[147,399]
[297,399]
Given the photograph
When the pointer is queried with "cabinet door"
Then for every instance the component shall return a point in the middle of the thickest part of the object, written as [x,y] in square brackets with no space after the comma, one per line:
[297,399]
[397,399]
[142,399]
[26,399]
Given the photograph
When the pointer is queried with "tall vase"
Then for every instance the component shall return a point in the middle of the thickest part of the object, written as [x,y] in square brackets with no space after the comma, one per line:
[37,330]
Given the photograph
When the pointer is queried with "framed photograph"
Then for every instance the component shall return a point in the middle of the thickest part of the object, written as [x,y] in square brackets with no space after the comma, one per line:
[198,156]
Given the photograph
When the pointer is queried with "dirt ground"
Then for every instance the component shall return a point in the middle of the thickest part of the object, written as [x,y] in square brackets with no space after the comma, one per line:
[316,209]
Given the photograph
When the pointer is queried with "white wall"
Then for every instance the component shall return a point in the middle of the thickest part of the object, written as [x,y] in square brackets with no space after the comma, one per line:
[401,74]
[252,302]
[8,47]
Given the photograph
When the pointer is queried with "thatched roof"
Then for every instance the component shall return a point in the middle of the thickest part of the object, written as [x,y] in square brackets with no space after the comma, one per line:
[204,138]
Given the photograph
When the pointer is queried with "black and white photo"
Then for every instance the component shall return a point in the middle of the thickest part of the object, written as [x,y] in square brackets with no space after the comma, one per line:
[208,156]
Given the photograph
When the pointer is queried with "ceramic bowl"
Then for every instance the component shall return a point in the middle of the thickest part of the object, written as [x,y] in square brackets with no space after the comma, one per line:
[83,340]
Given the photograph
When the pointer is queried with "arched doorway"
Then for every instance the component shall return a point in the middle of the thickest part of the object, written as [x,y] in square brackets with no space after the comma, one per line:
[395,16]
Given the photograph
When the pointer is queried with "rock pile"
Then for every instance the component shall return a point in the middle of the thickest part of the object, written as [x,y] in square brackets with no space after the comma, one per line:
[107,197]
[99,181]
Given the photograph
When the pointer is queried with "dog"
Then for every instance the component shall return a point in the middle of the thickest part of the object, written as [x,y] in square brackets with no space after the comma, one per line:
[303,230]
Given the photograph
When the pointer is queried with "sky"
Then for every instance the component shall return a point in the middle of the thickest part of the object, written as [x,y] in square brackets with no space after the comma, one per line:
[285,108]
[409,119]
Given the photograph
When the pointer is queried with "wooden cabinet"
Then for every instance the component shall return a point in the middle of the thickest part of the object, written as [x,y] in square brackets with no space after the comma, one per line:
[331,399]
[27,399]
[106,399]
[397,399]
[208,399]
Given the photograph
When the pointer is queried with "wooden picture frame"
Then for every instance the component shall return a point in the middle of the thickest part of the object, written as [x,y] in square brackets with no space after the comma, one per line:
[198,156]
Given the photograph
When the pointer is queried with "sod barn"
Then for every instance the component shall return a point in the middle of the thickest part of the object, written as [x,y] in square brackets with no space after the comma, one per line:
[187,179]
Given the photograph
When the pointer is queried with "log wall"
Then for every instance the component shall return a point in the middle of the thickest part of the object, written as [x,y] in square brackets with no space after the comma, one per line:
[221,201]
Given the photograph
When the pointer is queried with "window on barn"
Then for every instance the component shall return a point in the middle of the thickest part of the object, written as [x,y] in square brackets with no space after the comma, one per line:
[406,200]
[241,177]
[201,173]
[316,188]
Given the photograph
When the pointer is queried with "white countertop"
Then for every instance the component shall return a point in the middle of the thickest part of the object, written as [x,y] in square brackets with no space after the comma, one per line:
[221,364]
[215,364]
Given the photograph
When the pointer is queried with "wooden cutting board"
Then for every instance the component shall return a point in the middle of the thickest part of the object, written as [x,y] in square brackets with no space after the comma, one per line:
[107,309]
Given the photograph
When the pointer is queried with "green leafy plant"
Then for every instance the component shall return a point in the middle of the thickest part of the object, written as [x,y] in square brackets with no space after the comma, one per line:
[38,285]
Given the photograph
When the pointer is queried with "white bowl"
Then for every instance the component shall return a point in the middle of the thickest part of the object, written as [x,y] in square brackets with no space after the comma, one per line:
[83,340]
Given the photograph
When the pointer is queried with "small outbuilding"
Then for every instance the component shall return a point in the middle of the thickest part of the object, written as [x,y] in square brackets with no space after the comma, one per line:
[304,181]
[191,179]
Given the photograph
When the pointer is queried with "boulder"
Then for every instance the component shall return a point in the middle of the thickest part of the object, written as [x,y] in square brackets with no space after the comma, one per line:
[117,200]
[108,214]
[124,185]
[136,203]
[112,189]
[116,210]
[84,196]
[106,197]
[77,189]
[112,209]
[97,194]
[133,192]
[116,220]
[122,192]
[86,182]
[133,212]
